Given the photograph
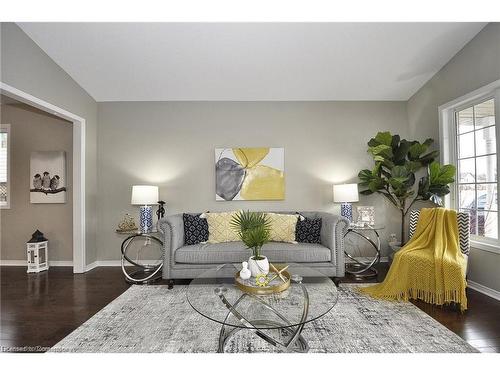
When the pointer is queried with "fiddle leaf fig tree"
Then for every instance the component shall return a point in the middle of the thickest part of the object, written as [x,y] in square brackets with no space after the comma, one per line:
[397,161]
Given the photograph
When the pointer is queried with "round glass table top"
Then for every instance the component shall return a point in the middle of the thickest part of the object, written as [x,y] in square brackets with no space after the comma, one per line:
[214,295]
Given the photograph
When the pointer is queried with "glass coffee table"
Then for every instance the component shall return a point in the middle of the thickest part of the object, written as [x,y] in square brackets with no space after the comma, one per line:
[277,318]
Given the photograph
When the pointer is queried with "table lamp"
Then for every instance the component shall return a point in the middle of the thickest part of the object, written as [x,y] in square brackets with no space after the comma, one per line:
[145,196]
[345,194]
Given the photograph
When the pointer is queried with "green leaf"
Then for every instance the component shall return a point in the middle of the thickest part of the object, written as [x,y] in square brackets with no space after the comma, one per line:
[399,171]
[376,184]
[416,150]
[410,180]
[429,158]
[423,188]
[400,152]
[440,190]
[383,150]
[388,164]
[384,138]
[413,166]
[397,182]
[365,175]
[441,175]
[428,142]
[395,141]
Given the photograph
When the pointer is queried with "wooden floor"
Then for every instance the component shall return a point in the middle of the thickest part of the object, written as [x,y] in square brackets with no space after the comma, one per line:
[38,310]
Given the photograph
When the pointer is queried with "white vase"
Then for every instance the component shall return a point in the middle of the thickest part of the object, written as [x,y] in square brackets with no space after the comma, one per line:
[260,266]
[245,273]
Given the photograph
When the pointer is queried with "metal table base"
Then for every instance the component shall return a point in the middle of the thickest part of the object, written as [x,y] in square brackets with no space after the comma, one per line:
[296,343]
[363,270]
[145,273]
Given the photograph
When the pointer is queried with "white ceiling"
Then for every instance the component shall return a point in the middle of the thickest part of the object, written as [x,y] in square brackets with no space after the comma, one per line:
[251,61]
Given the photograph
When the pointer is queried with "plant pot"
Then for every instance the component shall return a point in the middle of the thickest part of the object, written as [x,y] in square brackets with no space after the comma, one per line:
[260,266]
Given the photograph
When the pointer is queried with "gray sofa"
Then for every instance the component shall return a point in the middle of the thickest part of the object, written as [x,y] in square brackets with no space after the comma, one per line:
[188,261]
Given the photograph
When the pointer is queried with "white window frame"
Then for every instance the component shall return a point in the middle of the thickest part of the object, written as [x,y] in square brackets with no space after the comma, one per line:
[448,147]
[5,128]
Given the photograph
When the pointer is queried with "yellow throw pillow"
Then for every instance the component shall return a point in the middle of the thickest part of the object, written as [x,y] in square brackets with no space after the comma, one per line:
[219,228]
[282,227]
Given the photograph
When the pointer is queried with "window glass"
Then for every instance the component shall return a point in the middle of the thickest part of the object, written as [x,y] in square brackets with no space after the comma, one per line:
[465,121]
[477,180]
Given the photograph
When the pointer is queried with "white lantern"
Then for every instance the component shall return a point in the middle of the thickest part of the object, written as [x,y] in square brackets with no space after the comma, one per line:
[37,249]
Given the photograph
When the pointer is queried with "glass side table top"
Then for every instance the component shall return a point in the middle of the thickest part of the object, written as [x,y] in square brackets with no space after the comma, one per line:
[353,226]
[214,295]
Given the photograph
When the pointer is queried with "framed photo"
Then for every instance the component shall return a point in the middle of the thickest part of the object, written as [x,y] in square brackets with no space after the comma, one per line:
[366,215]
[48,177]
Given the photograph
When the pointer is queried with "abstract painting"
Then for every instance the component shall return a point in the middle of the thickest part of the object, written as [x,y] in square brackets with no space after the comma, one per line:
[48,177]
[252,173]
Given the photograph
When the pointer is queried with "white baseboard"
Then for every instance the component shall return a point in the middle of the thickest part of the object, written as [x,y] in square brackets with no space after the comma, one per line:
[109,263]
[24,263]
[112,263]
[484,289]
[69,263]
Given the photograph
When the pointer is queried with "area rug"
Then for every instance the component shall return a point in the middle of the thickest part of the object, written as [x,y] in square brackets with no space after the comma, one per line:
[155,319]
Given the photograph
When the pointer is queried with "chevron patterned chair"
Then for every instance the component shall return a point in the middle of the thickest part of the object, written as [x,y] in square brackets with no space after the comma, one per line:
[463,230]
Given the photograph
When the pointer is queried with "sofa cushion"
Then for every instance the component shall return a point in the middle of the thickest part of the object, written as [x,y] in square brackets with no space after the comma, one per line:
[236,252]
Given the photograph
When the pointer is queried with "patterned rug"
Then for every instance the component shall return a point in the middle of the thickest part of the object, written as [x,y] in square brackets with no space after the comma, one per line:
[155,319]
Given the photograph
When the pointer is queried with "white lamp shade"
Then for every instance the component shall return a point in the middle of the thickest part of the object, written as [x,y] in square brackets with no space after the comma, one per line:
[144,194]
[345,193]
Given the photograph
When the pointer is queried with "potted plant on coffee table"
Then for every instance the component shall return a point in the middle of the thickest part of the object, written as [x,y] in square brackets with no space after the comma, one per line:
[254,230]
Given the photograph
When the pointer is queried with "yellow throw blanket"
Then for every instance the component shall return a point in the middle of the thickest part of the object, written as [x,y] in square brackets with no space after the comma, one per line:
[430,267]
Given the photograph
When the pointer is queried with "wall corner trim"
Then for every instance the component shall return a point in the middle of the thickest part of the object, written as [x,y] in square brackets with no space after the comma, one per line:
[91,266]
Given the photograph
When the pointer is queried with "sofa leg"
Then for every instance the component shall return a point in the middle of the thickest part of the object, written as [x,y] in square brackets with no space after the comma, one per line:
[170,283]
[336,281]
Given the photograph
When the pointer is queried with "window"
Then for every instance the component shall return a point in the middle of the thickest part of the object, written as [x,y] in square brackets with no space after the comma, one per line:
[4,166]
[477,180]
[469,132]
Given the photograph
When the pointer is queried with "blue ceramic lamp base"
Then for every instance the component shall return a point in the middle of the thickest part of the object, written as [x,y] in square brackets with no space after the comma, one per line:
[346,211]
[146,219]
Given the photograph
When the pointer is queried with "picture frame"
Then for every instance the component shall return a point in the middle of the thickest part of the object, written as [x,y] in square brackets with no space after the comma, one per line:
[366,215]
[48,177]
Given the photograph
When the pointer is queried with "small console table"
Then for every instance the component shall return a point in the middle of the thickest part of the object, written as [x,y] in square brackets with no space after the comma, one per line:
[143,273]
[358,268]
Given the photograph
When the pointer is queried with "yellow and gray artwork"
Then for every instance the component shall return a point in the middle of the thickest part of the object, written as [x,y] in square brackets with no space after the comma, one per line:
[48,177]
[252,173]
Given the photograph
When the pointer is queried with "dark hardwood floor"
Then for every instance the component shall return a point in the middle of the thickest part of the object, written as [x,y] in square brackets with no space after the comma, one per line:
[38,310]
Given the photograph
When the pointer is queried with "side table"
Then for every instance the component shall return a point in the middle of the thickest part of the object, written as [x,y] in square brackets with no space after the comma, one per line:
[146,273]
[363,269]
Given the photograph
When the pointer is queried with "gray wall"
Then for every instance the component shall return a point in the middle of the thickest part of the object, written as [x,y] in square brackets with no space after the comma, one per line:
[171,144]
[34,130]
[26,67]
[476,65]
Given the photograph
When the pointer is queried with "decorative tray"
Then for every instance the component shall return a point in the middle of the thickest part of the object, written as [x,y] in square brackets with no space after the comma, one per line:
[275,286]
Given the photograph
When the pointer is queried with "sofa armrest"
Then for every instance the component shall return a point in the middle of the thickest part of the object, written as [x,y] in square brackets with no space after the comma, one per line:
[333,229]
[172,230]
